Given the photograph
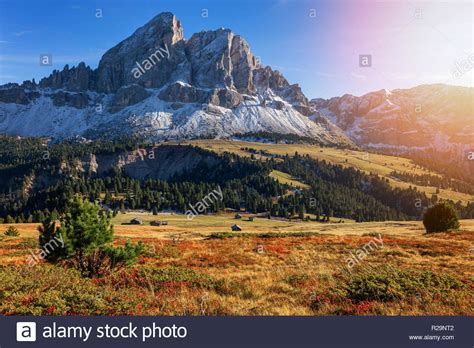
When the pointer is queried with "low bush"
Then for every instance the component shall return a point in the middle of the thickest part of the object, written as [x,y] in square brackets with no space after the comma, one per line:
[157,278]
[161,276]
[12,231]
[48,290]
[297,279]
[390,284]
[28,244]
[441,218]
[169,251]
[224,235]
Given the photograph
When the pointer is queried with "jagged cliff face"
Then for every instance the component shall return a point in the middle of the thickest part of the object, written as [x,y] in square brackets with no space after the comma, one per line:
[116,66]
[162,162]
[157,84]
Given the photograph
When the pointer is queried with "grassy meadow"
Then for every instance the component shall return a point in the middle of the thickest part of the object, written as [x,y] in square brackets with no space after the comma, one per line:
[284,178]
[272,267]
[379,164]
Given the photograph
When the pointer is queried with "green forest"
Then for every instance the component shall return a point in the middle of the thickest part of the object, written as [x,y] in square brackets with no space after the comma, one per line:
[36,182]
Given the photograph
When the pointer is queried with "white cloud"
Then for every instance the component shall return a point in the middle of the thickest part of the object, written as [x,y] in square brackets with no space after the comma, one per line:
[23,32]
[358,76]
[323,74]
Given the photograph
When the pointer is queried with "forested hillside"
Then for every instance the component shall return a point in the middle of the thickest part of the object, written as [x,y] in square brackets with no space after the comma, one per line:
[38,179]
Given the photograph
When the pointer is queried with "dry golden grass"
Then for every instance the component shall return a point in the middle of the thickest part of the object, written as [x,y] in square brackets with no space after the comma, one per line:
[379,164]
[204,225]
[253,275]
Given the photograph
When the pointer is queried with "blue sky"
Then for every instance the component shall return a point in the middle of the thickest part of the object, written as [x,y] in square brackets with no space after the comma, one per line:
[313,43]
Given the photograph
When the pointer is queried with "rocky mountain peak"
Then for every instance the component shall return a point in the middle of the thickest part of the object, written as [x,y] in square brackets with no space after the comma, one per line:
[158,43]
[77,79]
[157,54]
[219,58]
[167,23]
[156,83]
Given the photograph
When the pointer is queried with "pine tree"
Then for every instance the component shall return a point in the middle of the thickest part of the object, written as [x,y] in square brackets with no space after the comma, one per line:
[87,238]
[54,214]
[48,239]
[302,211]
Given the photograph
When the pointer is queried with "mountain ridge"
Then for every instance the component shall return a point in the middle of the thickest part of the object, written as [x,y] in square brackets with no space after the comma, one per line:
[209,85]
[425,117]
